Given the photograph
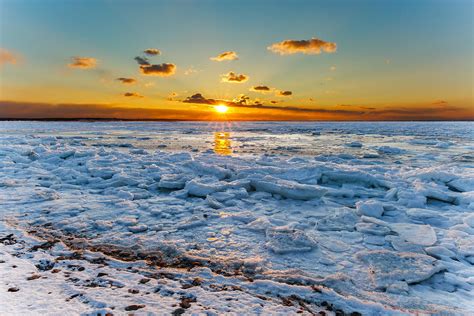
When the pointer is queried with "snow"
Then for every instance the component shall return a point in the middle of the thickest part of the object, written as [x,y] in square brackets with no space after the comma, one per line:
[123,217]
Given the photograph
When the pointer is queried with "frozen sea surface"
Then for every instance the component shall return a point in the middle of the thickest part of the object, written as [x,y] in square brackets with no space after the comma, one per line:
[259,218]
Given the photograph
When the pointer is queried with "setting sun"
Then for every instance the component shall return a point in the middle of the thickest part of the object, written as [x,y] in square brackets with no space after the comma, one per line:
[221,108]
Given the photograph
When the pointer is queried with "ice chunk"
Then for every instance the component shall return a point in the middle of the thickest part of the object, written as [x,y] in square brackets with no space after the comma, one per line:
[138,228]
[423,235]
[388,267]
[207,169]
[469,220]
[354,144]
[260,224]
[332,244]
[338,219]
[440,252]
[173,181]
[370,208]
[373,229]
[199,188]
[282,240]
[462,185]
[288,189]
[390,150]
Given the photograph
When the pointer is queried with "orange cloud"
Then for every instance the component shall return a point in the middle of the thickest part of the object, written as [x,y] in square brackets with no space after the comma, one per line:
[83,62]
[132,95]
[230,55]
[7,57]
[152,51]
[162,70]
[127,80]
[232,77]
[310,47]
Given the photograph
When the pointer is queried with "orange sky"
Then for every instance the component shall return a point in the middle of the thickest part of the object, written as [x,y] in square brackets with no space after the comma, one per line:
[286,62]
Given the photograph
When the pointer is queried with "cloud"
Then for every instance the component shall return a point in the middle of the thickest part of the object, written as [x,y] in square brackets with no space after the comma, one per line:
[83,62]
[232,77]
[245,102]
[7,57]
[162,70]
[230,55]
[283,93]
[332,68]
[172,95]
[142,61]
[261,89]
[132,95]
[191,70]
[152,52]
[127,80]
[440,102]
[310,47]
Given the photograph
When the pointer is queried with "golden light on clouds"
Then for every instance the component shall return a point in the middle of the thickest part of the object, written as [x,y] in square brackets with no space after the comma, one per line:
[225,56]
[233,77]
[309,47]
[83,62]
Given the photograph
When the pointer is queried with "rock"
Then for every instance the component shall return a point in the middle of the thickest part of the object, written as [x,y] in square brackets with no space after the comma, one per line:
[134,307]
[370,208]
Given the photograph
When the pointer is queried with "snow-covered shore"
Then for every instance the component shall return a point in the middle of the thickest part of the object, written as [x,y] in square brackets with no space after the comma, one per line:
[371,218]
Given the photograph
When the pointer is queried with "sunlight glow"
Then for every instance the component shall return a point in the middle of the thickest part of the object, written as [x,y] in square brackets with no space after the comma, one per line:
[221,108]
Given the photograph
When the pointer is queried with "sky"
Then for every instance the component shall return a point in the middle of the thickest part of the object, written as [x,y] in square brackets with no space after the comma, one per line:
[262,60]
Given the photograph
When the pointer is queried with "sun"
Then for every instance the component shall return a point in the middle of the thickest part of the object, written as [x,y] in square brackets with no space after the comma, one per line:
[221,108]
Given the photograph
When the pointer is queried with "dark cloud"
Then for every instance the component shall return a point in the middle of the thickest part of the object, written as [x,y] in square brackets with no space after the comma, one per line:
[245,102]
[261,89]
[127,80]
[284,93]
[225,56]
[152,52]
[162,70]
[83,62]
[132,95]
[232,77]
[142,61]
[310,47]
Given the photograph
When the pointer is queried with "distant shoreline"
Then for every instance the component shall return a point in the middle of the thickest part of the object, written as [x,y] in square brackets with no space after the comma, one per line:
[194,120]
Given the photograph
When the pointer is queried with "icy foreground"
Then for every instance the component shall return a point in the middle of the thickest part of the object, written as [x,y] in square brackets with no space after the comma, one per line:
[370,218]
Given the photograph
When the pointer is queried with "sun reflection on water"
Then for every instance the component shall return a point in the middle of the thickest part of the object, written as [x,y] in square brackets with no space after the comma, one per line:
[222,143]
